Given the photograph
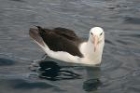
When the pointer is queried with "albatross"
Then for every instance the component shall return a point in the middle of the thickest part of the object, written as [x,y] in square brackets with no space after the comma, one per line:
[64,45]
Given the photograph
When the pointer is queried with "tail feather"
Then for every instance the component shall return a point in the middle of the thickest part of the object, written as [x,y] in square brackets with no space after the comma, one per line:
[41,30]
[35,35]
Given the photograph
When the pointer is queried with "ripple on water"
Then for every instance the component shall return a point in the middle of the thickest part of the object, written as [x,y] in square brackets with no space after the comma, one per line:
[109,63]
[6,60]
[113,68]
[18,0]
[120,73]
[24,84]
[122,42]
[109,42]
[134,83]
[137,35]
[132,20]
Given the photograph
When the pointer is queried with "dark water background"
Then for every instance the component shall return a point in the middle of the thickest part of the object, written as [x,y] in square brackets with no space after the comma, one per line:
[120,68]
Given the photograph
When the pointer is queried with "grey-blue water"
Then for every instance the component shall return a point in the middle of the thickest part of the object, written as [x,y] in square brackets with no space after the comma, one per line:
[120,68]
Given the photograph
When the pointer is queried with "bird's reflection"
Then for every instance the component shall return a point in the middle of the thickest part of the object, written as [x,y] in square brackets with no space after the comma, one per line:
[93,79]
[50,70]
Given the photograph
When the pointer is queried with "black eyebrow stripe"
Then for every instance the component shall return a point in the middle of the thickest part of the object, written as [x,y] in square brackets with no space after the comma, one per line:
[101,33]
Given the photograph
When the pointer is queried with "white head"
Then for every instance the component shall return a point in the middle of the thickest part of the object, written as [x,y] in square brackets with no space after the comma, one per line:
[96,36]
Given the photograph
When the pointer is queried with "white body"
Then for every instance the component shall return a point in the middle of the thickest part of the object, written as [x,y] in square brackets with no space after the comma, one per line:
[90,57]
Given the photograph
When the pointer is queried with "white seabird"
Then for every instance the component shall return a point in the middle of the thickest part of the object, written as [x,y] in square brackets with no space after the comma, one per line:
[63,44]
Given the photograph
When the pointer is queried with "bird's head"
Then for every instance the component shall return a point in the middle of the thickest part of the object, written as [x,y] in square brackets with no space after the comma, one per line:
[96,36]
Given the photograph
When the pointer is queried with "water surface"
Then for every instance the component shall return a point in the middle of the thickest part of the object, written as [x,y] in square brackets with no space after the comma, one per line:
[120,68]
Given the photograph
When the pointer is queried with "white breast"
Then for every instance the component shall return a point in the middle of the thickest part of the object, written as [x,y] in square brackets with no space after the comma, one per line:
[91,57]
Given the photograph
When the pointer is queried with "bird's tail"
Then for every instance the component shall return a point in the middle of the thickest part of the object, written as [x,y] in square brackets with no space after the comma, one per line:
[35,35]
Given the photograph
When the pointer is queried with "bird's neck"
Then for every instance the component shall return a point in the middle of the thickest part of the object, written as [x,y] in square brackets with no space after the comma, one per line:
[93,56]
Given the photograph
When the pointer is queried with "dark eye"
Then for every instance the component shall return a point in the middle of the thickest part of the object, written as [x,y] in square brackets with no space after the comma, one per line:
[101,34]
[91,33]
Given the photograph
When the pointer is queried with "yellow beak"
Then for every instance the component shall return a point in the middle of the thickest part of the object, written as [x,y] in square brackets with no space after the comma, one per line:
[95,42]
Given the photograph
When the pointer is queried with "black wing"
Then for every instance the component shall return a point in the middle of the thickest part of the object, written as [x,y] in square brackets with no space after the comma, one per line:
[58,40]
[67,33]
